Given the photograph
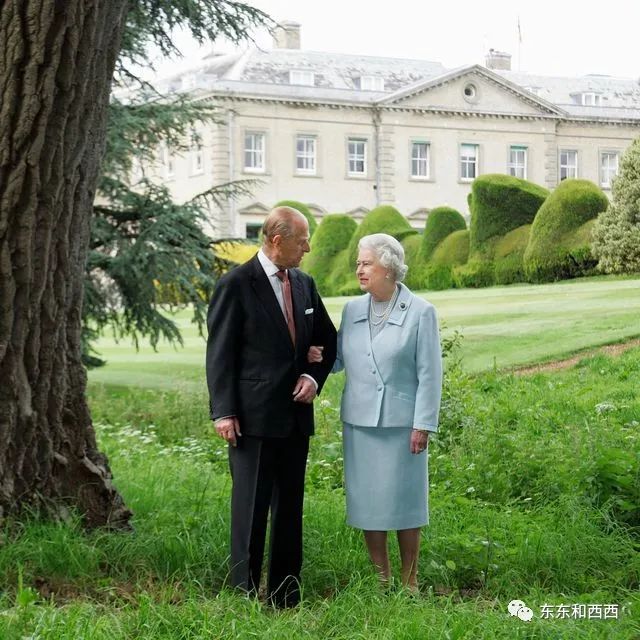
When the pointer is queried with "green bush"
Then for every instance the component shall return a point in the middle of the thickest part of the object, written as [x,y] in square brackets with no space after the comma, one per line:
[509,256]
[303,209]
[331,237]
[442,222]
[616,235]
[383,219]
[499,204]
[438,277]
[413,259]
[559,246]
[453,250]
[476,273]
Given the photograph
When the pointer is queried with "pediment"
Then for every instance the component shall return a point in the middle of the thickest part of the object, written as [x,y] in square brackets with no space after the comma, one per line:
[255,208]
[358,213]
[472,89]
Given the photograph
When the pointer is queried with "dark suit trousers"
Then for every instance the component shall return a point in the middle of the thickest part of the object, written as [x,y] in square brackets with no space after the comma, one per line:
[268,473]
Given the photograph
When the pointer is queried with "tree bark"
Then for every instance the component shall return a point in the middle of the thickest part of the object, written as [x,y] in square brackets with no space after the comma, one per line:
[57,59]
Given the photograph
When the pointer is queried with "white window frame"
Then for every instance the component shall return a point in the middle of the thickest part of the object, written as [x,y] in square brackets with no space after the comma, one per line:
[371,83]
[467,161]
[354,156]
[302,77]
[518,167]
[168,162]
[420,165]
[257,152]
[591,99]
[607,173]
[568,168]
[306,157]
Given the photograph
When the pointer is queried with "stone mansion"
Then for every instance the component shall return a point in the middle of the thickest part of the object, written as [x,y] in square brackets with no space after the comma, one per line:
[345,133]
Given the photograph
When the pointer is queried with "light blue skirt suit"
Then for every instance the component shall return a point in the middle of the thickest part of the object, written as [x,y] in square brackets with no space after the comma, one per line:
[393,384]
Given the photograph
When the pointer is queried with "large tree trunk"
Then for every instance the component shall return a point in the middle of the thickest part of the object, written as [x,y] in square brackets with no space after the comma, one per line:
[57,59]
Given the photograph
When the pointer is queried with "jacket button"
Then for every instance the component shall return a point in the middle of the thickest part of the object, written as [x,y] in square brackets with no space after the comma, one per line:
[373,371]
[379,388]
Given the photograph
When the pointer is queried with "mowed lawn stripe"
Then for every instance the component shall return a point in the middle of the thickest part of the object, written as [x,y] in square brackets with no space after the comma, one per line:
[502,326]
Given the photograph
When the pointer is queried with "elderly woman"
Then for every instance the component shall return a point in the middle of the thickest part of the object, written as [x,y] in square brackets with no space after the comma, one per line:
[389,347]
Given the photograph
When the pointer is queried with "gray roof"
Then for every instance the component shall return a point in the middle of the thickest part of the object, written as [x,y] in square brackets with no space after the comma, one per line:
[259,73]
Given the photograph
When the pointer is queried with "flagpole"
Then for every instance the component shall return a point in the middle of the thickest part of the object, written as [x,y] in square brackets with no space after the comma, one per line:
[519,45]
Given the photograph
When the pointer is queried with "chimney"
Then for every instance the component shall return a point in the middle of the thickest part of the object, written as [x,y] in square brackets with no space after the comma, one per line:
[498,60]
[287,35]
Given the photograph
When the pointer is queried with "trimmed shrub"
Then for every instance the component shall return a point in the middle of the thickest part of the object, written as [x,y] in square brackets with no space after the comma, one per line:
[509,256]
[616,234]
[476,273]
[453,250]
[331,237]
[413,259]
[442,222]
[438,277]
[303,209]
[383,219]
[559,245]
[499,204]
[342,273]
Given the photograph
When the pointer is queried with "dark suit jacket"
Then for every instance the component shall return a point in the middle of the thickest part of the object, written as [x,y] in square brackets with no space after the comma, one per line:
[252,365]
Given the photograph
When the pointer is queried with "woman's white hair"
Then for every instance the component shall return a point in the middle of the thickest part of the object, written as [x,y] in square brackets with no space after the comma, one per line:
[389,252]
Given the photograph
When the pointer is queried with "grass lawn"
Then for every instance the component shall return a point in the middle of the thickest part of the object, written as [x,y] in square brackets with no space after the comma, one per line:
[534,495]
[502,327]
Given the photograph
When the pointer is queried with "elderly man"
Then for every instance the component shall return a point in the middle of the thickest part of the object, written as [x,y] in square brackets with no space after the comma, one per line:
[263,317]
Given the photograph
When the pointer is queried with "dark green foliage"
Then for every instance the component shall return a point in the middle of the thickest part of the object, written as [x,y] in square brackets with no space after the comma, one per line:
[453,250]
[331,237]
[303,209]
[438,277]
[499,204]
[559,246]
[509,255]
[442,222]
[475,273]
[383,219]
[342,274]
[146,250]
[412,245]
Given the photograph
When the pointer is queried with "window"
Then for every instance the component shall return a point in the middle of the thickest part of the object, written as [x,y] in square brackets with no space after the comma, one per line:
[420,160]
[254,144]
[568,164]
[587,99]
[371,83]
[167,162]
[252,230]
[608,168]
[468,161]
[301,77]
[306,155]
[518,162]
[357,157]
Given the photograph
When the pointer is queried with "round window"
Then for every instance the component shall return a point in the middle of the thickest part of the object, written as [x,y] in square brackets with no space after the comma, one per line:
[470,92]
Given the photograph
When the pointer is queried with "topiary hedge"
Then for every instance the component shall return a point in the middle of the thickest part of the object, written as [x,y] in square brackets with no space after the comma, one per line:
[331,237]
[500,203]
[453,250]
[475,273]
[559,246]
[412,245]
[509,255]
[383,219]
[303,209]
[442,221]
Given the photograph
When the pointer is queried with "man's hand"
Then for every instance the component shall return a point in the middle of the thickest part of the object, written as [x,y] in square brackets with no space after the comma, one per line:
[314,354]
[304,391]
[419,441]
[228,428]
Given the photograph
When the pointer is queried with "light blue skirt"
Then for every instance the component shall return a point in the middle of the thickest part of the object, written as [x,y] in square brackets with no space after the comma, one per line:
[386,485]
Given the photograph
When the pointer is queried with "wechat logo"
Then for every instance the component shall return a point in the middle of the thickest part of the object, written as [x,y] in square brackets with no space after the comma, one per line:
[519,609]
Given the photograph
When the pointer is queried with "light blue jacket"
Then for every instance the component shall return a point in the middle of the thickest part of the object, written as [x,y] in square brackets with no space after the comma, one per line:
[401,385]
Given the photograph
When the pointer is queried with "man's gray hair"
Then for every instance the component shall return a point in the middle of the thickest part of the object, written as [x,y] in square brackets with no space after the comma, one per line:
[389,252]
[280,222]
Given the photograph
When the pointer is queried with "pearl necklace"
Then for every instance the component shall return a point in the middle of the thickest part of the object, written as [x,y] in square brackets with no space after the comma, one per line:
[386,310]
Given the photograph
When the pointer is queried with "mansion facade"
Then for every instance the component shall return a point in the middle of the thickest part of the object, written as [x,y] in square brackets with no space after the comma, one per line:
[345,133]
